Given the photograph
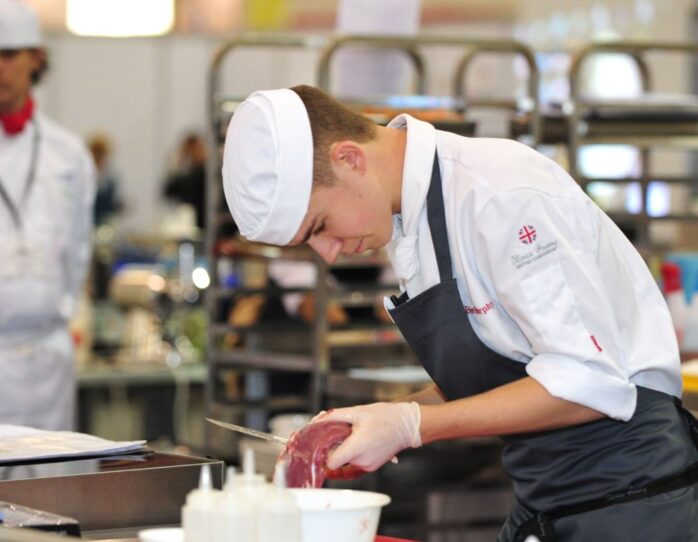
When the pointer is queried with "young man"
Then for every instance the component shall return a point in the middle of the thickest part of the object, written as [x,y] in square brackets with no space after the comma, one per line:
[46,196]
[534,315]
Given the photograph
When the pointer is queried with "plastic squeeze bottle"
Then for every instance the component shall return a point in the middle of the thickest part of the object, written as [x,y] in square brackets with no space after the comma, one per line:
[233,518]
[253,487]
[196,512]
[280,517]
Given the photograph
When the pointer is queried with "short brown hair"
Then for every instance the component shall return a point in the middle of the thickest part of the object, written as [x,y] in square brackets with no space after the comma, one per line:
[330,121]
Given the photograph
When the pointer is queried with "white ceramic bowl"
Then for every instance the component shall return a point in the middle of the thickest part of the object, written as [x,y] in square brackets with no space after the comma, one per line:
[339,515]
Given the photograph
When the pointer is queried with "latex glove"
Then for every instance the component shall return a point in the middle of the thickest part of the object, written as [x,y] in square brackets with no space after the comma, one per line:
[379,432]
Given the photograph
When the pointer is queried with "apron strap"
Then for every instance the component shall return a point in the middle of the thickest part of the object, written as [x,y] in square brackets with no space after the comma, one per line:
[436,217]
[540,526]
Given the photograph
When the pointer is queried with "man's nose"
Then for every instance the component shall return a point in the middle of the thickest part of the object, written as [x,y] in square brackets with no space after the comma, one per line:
[327,247]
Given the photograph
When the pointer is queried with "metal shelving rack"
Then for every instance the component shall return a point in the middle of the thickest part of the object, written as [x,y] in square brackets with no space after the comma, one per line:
[461,100]
[645,124]
[251,363]
[325,375]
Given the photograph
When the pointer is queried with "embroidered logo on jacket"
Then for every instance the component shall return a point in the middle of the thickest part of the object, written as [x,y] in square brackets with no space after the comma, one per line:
[533,254]
[527,235]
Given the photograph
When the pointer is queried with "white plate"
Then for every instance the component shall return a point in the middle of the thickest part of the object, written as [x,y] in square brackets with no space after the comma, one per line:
[168,534]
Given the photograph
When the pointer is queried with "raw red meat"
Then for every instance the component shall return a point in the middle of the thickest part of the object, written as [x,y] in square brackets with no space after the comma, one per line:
[306,455]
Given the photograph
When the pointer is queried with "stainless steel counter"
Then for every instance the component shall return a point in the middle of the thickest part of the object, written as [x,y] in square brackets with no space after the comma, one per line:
[109,495]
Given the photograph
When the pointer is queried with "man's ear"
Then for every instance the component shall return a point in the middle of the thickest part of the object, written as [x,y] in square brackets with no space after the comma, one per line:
[38,58]
[348,154]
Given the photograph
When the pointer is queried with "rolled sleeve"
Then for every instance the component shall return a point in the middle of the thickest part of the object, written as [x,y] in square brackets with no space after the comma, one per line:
[568,379]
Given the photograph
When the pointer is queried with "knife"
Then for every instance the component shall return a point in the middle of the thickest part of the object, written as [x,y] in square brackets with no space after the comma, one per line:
[248,431]
[258,434]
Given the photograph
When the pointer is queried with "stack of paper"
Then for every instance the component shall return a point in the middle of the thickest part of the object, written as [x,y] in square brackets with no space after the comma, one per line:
[19,443]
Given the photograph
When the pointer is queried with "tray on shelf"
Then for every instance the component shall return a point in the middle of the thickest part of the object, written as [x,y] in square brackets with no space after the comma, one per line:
[377,384]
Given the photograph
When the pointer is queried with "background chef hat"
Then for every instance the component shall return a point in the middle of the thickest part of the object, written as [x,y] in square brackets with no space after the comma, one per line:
[268,166]
[19,26]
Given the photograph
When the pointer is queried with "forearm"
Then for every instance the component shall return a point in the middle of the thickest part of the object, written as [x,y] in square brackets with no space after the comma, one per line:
[520,407]
[430,395]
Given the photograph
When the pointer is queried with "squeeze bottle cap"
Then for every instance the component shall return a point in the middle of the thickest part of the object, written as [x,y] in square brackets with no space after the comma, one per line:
[205,483]
[230,475]
[249,476]
[248,463]
[280,475]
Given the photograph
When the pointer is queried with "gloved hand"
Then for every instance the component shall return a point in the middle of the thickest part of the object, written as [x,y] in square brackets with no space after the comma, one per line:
[379,431]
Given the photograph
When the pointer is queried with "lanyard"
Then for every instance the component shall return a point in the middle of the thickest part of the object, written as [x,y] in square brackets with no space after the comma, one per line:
[28,185]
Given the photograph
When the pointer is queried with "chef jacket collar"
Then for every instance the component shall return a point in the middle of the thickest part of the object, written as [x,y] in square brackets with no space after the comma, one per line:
[13,123]
[416,177]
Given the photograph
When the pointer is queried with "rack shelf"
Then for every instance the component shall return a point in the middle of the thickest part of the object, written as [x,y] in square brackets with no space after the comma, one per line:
[649,122]
[262,360]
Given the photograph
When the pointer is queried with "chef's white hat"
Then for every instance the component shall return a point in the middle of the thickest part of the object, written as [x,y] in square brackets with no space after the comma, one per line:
[268,166]
[19,26]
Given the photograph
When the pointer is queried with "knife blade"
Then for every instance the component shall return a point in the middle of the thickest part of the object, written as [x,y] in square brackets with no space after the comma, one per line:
[249,431]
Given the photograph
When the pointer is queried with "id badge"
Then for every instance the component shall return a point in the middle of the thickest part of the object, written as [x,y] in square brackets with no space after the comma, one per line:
[19,259]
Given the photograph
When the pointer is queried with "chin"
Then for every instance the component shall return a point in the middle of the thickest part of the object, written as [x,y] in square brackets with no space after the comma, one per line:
[380,243]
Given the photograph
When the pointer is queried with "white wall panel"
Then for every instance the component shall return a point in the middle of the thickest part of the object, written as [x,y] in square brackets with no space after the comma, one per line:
[146,94]
[112,86]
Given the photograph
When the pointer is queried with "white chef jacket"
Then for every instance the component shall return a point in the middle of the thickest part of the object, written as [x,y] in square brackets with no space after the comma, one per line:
[545,277]
[37,385]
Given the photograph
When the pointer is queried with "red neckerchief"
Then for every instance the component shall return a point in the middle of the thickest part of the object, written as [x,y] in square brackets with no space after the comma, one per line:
[14,123]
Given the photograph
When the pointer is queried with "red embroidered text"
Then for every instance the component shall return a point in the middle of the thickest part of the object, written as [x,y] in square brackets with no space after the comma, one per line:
[479,310]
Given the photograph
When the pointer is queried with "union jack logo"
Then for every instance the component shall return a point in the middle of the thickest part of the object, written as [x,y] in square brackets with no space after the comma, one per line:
[527,235]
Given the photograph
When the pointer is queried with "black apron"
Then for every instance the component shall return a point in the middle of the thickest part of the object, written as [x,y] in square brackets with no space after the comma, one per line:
[604,480]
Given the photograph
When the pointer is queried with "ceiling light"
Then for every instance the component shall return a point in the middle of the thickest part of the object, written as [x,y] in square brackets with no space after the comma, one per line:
[120,18]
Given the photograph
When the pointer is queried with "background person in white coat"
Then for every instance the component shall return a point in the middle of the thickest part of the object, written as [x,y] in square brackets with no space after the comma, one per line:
[46,196]
[536,318]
